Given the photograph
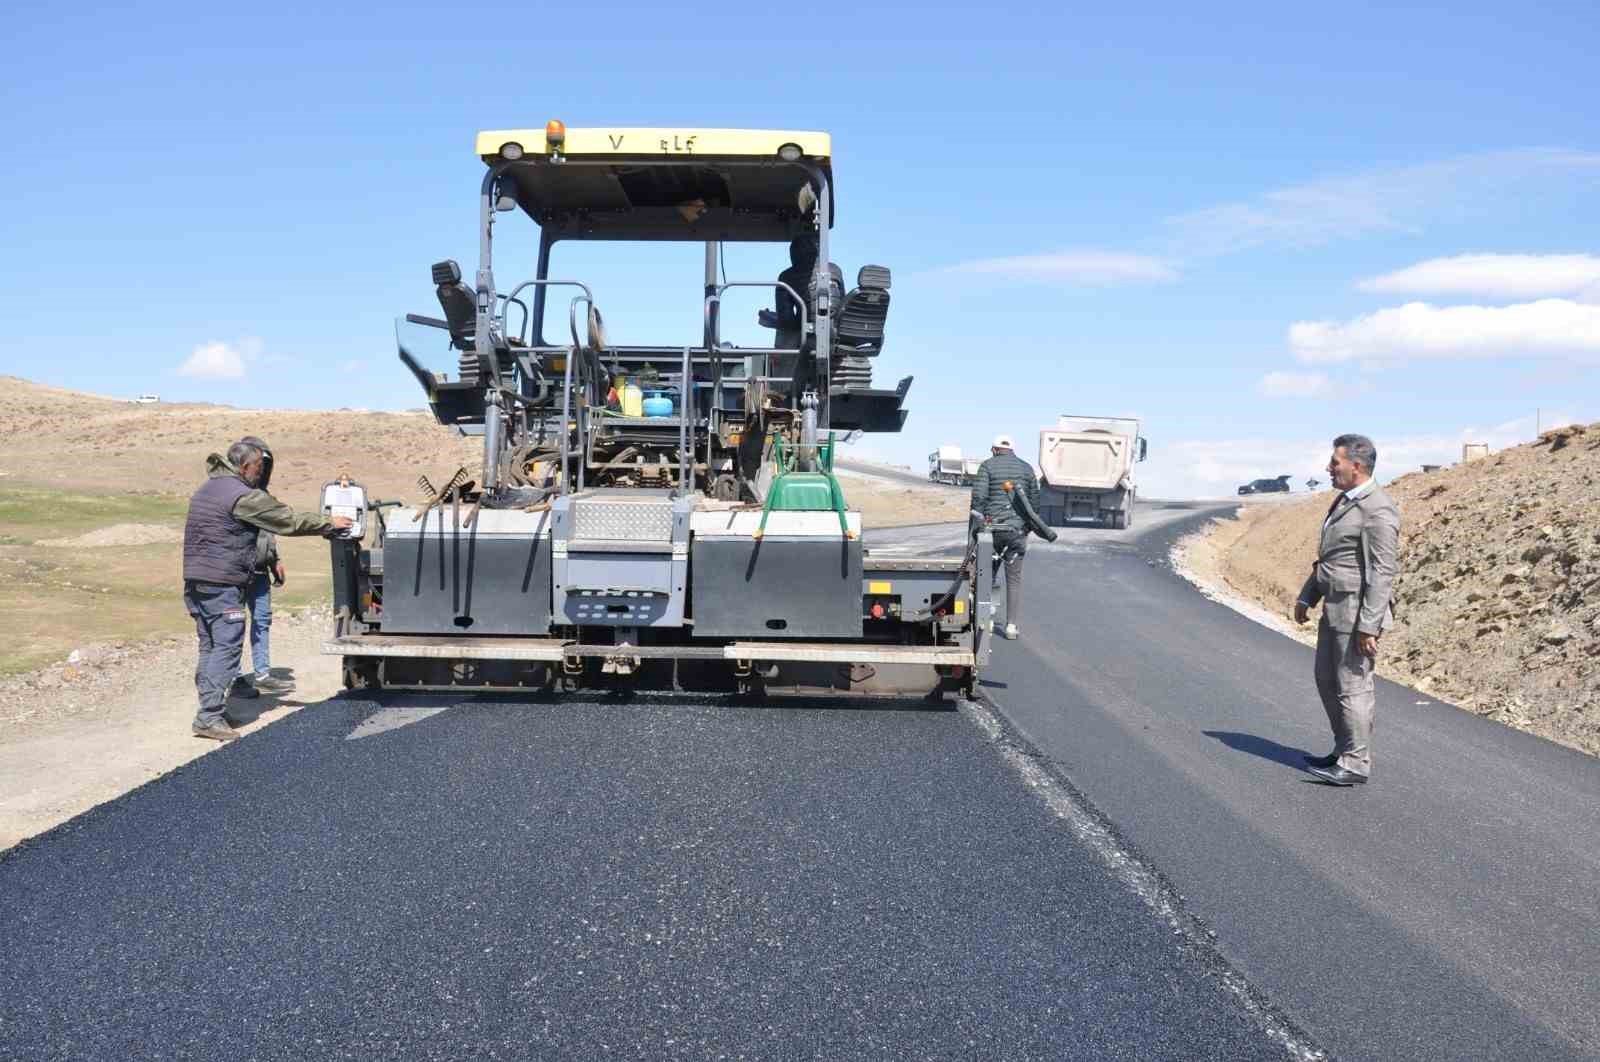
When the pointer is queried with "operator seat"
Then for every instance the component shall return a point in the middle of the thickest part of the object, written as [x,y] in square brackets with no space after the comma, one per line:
[858,326]
[459,303]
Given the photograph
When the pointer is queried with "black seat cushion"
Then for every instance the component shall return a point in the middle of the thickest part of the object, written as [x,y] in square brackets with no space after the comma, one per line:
[459,303]
[858,328]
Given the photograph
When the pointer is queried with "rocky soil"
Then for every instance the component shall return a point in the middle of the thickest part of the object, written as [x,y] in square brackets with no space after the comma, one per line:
[112,716]
[1498,606]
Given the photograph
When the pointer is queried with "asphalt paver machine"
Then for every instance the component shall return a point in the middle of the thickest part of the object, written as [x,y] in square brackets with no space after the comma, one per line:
[652,516]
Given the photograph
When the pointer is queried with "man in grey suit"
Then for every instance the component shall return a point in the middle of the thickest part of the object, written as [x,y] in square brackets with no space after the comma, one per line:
[1353,578]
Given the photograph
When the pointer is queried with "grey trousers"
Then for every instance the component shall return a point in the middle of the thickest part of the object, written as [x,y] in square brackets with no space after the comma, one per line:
[218,613]
[1010,547]
[1344,680]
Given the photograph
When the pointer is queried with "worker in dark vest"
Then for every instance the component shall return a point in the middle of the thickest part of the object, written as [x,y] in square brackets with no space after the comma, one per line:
[991,499]
[226,515]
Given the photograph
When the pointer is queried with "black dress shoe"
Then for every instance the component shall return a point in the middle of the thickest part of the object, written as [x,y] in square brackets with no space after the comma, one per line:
[1338,776]
[1321,761]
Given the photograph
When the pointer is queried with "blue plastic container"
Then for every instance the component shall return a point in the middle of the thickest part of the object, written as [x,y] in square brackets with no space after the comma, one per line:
[658,404]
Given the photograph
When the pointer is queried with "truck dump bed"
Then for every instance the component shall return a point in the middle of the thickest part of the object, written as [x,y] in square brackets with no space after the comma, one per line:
[1091,459]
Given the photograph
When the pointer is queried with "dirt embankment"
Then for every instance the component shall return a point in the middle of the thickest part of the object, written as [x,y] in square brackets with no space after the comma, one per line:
[1498,607]
[67,439]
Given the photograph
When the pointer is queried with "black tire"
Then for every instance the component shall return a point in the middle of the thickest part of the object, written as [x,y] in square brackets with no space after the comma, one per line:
[1127,514]
[1119,520]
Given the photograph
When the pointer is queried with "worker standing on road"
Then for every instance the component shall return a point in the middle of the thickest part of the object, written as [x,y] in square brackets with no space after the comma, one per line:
[226,516]
[1002,473]
[1353,577]
[267,573]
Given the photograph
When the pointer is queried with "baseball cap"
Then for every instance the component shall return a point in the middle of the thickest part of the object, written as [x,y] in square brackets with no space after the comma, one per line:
[1003,442]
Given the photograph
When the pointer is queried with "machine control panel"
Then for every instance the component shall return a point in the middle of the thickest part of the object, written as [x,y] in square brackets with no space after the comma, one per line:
[344,497]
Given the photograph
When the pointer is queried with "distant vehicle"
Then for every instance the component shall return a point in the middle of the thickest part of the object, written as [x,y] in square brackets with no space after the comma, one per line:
[146,400]
[1267,486]
[947,465]
[1313,483]
[1086,469]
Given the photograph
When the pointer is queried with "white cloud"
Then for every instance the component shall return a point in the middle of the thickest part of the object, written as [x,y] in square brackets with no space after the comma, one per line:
[1420,330]
[1402,199]
[1517,276]
[1208,468]
[1293,385]
[216,361]
[1086,268]
[1202,468]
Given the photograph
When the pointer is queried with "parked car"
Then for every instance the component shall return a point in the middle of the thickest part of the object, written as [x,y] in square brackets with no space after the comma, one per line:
[1266,486]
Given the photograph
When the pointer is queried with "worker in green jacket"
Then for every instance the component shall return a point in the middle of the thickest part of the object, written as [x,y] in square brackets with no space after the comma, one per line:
[1002,473]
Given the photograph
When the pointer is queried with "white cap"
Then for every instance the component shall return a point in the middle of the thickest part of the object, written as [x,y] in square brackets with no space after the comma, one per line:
[1003,442]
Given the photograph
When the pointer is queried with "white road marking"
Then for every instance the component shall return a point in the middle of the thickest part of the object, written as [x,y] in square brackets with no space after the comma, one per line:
[393,718]
[1137,876]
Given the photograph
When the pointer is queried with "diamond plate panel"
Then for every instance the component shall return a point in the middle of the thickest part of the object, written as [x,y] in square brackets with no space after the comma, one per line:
[617,521]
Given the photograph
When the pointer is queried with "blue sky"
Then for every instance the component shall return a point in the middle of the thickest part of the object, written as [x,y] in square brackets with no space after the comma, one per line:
[1246,224]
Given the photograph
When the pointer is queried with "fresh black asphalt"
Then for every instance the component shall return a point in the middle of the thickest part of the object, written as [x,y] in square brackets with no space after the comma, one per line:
[644,879]
[1448,910]
[692,879]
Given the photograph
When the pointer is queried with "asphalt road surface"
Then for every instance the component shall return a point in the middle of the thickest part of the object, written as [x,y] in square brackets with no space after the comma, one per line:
[1118,858]
[1448,910]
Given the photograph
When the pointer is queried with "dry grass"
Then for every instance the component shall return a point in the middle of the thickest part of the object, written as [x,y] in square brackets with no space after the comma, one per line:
[55,598]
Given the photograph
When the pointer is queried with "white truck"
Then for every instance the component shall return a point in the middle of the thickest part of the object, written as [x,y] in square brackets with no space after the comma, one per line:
[947,465]
[1086,467]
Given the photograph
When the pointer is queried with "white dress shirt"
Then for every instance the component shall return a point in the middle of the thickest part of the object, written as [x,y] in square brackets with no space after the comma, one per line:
[1347,497]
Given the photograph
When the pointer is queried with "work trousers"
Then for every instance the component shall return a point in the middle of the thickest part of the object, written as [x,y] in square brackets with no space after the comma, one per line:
[218,613]
[1344,680]
[258,599]
[1009,550]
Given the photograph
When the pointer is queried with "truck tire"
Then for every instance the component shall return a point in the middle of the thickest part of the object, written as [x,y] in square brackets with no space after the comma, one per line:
[1127,513]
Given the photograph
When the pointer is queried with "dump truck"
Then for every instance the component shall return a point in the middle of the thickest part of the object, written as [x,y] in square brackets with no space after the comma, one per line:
[1086,467]
[656,516]
[947,465]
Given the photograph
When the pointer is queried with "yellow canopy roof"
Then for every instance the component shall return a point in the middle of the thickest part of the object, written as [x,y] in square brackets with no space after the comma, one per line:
[634,143]
[662,184]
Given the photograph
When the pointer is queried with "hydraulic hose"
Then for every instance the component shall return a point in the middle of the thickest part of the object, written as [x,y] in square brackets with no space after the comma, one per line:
[1030,517]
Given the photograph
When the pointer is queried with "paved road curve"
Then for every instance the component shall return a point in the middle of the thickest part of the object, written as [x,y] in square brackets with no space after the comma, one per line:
[894,475]
[1450,910]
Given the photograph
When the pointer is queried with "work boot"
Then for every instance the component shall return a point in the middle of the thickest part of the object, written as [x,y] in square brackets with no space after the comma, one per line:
[1010,632]
[216,732]
[273,685]
[242,689]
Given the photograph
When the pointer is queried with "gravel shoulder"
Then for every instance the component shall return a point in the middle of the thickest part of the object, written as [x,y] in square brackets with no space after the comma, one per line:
[75,735]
